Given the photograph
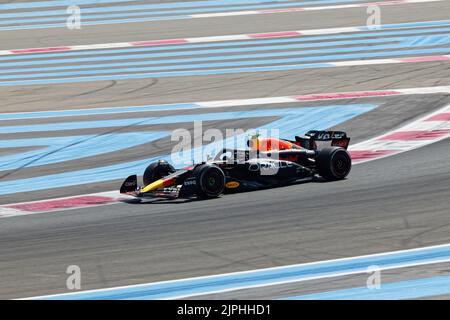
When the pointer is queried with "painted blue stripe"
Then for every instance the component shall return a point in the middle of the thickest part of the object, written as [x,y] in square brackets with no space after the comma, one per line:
[218,64]
[51,21]
[206,55]
[66,148]
[184,4]
[409,289]
[186,118]
[293,40]
[98,22]
[266,276]
[231,70]
[96,111]
[166,74]
[107,68]
[65,3]
[234,43]
[92,23]
[162,74]
[432,41]
[150,58]
[144,10]
[293,121]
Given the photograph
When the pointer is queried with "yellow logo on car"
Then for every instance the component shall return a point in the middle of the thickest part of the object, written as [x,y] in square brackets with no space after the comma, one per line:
[232,184]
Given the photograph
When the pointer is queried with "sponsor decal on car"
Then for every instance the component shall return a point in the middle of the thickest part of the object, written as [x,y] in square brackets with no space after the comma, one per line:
[190,182]
[232,184]
[269,165]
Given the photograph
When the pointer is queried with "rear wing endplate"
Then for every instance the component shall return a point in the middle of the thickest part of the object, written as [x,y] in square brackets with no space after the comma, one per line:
[337,138]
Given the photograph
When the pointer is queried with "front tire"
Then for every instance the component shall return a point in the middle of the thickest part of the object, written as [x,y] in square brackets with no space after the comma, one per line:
[210,181]
[156,171]
[333,163]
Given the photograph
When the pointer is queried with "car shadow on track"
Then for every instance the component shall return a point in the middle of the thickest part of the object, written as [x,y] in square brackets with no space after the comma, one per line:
[187,200]
[160,201]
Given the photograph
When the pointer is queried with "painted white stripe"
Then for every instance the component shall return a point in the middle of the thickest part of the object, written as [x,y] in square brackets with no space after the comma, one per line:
[419,1]
[101,46]
[10,212]
[223,14]
[362,62]
[354,63]
[394,145]
[330,31]
[428,126]
[218,38]
[245,102]
[429,90]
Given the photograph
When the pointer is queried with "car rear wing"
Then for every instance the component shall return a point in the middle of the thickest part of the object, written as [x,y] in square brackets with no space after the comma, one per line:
[337,138]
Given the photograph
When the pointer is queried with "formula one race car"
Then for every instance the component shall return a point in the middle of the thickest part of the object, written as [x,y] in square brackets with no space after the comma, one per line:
[269,162]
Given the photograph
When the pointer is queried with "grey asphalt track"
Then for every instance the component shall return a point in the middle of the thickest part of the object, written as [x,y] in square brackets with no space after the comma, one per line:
[215,87]
[218,87]
[395,203]
[399,202]
[391,112]
[227,25]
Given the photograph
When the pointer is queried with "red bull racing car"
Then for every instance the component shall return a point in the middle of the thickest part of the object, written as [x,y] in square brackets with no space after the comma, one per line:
[268,162]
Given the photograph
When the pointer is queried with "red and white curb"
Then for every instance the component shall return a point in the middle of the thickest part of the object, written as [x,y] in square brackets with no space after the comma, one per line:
[424,131]
[150,43]
[429,129]
[60,204]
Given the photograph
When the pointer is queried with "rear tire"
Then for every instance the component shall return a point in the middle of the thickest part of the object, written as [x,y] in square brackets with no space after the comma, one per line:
[333,163]
[210,181]
[156,171]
